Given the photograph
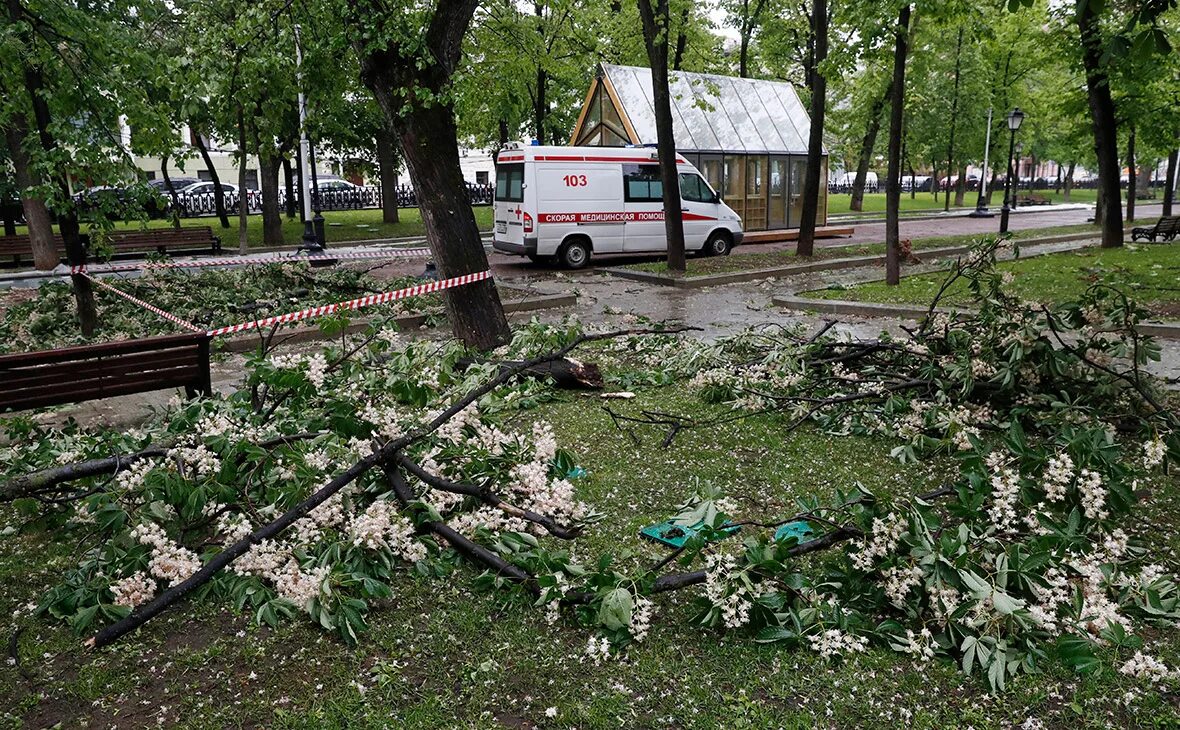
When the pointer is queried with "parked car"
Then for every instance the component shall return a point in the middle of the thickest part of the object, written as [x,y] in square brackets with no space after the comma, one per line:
[199,198]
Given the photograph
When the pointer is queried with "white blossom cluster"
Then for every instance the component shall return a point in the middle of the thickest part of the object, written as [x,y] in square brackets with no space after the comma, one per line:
[731,597]
[920,645]
[315,366]
[641,616]
[1147,667]
[1057,477]
[899,581]
[169,561]
[882,539]
[835,643]
[598,649]
[1153,453]
[133,590]
[380,526]
[134,476]
[198,461]
[1005,495]
[1093,495]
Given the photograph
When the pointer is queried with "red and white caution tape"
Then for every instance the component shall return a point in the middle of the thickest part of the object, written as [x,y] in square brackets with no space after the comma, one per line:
[393,253]
[367,301]
[151,308]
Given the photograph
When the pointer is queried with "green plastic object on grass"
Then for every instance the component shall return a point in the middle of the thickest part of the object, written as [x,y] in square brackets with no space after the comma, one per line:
[675,535]
[800,529]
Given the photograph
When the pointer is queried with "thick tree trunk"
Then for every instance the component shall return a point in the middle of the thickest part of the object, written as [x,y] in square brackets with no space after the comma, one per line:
[655,35]
[218,194]
[815,142]
[1103,121]
[387,162]
[40,226]
[289,187]
[1057,184]
[893,181]
[540,98]
[867,144]
[272,218]
[425,125]
[1170,182]
[243,203]
[1067,184]
[681,38]
[954,117]
[961,186]
[175,211]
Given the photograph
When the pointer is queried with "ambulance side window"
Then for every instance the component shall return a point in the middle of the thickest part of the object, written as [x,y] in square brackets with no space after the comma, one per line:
[510,183]
[642,184]
[694,189]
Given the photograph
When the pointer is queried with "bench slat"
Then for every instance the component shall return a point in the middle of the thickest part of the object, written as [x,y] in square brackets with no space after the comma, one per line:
[52,395]
[128,366]
[89,352]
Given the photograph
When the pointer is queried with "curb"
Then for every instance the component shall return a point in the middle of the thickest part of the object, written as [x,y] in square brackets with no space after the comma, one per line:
[737,277]
[1166,330]
[404,322]
[931,215]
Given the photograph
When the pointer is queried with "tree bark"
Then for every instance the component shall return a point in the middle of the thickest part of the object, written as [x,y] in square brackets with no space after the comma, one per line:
[1067,184]
[1170,182]
[171,192]
[961,186]
[218,194]
[1131,175]
[954,117]
[40,226]
[387,162]
[655,36]
[893,181]
[815,142]
[1103,122]
[867,144]
[540,100]
[289,187]
[268,180]
[681,39]
[404,86]
[243,204]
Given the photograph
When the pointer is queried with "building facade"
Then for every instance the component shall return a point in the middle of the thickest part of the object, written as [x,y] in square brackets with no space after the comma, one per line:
[748,137]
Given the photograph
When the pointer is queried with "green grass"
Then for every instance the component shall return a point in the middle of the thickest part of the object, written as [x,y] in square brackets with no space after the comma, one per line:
[340,225]
[439,655]
[749,259]
[926,203]
[1150,275]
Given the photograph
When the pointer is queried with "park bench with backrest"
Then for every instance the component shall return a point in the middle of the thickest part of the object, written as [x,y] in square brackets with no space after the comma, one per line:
[1033,199]
[162,240]
[1165,229]
[76,374]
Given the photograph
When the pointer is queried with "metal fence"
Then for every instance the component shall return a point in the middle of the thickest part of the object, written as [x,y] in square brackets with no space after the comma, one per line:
[193,205]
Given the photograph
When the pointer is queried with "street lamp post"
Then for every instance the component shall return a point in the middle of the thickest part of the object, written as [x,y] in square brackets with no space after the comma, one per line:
[1015,117]
[1016,185]
[981,210]
[313,228]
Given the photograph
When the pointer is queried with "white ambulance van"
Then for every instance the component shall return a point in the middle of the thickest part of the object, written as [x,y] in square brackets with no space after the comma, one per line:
[570,203]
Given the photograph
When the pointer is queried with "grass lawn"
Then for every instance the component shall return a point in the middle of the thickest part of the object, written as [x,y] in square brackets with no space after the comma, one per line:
[925,202]
[1150,275]
[748,258]
[340,225]
[439,655]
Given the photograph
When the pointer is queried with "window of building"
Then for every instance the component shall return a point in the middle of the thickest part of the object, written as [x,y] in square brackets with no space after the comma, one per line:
[642,184]
[510,183]
[481,177]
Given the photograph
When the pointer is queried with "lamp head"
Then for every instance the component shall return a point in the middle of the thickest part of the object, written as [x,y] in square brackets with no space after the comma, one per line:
[1015,118]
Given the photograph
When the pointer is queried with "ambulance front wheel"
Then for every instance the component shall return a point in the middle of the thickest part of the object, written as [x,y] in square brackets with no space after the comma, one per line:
[719,244]
[575,254]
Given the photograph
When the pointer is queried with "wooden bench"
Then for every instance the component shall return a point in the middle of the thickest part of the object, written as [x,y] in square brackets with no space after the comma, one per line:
[1165,229]
[76,374]
[20,245]
[1033,199]
[196,239]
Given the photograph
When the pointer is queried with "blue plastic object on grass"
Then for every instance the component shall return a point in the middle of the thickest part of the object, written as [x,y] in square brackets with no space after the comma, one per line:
[800,529]
[675,535]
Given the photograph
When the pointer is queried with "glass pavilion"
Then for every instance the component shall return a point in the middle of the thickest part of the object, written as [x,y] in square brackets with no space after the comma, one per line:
[748,137]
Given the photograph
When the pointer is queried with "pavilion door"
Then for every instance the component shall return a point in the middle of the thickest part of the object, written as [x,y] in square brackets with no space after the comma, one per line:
[776,212]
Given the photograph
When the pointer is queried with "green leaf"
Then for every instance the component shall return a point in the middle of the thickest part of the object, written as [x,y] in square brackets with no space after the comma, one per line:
[1078,652]
[615,611]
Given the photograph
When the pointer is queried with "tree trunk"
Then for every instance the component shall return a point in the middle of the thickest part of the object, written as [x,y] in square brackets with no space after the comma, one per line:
[1057,185]
[218,195]
[961,186]
[268,179]
[655,35]
[815,142]
[954,117]
[1131,175]
[171,192]
[681,38]
[540,101]
[289,187]
[1170,182]
[425,124]
[1103,121]
[893,180]
[40,226]
[1067,184]
[744,55]
[867,144]
[387,162]
[243,203]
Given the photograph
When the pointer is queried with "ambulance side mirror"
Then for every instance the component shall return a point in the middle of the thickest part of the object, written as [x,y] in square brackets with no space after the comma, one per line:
[716,198]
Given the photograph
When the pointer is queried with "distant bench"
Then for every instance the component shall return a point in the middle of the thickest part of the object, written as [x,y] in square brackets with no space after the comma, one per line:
[76,374]
[163,240]
[1165,229]
[1033,199]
